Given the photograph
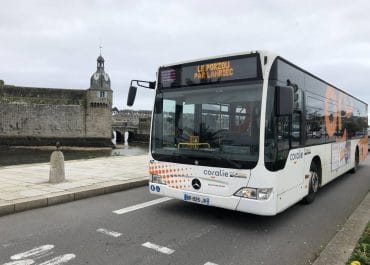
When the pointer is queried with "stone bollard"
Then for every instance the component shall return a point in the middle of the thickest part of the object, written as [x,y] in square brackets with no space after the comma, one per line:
[57,173]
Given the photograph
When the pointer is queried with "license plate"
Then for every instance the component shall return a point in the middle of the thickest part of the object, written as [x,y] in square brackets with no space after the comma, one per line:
[196,199]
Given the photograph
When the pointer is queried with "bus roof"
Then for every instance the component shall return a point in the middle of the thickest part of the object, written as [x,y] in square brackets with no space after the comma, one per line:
[318,78]
[261,53]
[214,57]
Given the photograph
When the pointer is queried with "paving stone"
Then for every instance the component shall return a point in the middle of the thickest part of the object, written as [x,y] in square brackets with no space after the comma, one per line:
[5,185]
[15,188]
[3,202]
[51,189]
[82,193]
[9,196]
[6,209]
[14,182]
[70,185]
[60,197]
[28,204]
[33,192]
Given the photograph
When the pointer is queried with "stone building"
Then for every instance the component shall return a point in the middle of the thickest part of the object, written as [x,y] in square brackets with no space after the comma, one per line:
[42,116]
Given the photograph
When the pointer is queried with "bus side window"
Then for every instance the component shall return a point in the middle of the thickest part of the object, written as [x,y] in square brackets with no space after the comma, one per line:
[296,129]
[282,123]
[282,133]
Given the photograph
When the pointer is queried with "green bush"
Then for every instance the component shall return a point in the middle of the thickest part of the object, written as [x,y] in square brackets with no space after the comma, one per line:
[362,251]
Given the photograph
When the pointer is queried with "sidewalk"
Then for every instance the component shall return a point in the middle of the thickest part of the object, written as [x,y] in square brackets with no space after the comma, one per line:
[25,187]
[341,246]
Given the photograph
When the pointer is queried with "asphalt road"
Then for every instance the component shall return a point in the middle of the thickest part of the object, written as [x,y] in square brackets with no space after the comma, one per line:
[175,232]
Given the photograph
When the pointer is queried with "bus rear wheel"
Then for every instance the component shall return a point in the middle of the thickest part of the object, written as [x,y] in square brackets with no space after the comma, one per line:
[314,184]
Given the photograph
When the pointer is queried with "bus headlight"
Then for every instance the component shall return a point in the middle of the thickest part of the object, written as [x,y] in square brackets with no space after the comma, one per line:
[249,193]
[157,179]
[264,194]
[254,193]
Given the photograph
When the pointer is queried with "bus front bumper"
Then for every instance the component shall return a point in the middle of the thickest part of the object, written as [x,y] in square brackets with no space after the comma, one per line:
[259,207]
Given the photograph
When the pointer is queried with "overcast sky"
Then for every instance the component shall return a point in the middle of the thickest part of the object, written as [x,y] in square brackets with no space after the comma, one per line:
[56,43]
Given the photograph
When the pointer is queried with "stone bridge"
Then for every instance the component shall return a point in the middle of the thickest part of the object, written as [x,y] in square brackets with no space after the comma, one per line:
[121,127]
[137,131]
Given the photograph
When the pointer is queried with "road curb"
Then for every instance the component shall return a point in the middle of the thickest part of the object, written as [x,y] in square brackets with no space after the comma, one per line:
[69,195]
[340,248]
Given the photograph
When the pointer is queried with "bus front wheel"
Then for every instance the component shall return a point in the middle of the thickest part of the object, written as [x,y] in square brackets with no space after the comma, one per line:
[314,184]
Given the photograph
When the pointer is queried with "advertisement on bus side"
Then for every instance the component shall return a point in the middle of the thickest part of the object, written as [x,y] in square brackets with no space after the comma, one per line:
[340,154]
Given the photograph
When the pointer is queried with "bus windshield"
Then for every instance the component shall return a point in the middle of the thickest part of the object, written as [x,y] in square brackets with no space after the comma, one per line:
[211,125]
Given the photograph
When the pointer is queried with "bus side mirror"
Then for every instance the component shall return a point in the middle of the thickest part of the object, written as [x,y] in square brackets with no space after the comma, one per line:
[284,100]
[131,96]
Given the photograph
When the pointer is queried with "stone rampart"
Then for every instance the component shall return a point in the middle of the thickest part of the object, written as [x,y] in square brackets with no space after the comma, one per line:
[41,120]
[41,116]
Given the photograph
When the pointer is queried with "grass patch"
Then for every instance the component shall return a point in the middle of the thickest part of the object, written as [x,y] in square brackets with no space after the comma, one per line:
[362,251]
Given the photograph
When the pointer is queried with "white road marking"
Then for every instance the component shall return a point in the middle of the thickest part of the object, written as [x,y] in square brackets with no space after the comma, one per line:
[45,255]
[141,205]
[21,262]
[209,263]
[158,248]
[41,250]
[7,245]
[109,233]
[59,260]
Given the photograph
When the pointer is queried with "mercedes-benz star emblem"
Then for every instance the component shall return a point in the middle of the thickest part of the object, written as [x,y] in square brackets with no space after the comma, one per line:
[196,184]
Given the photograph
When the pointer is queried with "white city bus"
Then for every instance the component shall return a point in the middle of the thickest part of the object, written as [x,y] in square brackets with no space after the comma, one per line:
[250,132]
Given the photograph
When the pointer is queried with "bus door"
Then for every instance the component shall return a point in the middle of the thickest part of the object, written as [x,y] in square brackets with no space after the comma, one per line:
[296,158]
[290,132]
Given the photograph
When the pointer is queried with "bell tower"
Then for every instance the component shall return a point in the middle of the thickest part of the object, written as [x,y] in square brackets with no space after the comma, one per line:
[99,104]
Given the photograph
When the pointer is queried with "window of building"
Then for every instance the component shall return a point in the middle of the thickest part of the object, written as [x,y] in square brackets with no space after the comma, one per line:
[102,94]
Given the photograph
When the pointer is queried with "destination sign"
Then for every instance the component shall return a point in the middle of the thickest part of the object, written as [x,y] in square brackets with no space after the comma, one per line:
[214,70]
[211,71]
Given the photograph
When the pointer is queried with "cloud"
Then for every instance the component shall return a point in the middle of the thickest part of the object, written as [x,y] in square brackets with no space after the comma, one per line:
[55,43]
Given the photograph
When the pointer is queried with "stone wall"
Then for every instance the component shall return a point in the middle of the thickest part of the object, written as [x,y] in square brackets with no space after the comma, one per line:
[41,120]
[43,141]
[41,116]
[34,95]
